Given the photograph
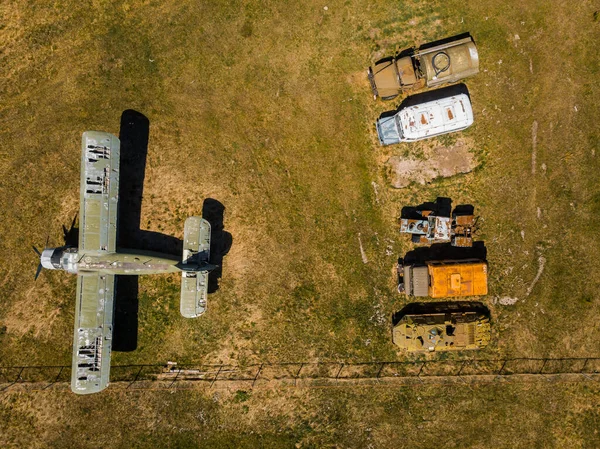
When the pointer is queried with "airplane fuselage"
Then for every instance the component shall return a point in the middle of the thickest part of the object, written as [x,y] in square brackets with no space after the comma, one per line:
[122,262]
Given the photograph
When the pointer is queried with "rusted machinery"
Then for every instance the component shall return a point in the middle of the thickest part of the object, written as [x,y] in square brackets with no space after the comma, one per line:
[430,228]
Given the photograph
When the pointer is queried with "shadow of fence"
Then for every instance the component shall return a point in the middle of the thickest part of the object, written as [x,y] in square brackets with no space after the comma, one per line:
[172,375]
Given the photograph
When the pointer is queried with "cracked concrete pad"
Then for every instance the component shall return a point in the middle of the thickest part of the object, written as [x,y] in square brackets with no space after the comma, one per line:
[437,161]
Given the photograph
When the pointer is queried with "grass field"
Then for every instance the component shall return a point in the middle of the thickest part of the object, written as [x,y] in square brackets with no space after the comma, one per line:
[265,107]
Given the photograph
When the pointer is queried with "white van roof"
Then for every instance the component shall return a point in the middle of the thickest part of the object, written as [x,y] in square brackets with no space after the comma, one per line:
[435,117]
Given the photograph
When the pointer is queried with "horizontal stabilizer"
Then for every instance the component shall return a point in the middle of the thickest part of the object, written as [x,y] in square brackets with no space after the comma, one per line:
[194,277]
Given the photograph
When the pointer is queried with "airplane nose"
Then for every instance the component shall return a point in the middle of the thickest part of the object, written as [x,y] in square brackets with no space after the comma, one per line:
[46,258]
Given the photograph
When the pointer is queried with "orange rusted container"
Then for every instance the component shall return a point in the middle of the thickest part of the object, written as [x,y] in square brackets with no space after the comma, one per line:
[450,279]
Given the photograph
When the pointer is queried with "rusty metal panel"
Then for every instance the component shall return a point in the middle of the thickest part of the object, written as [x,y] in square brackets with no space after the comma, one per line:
[458,279]
[465,220]
[463,242]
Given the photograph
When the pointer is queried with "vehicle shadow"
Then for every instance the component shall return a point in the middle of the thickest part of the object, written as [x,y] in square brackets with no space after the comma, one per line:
[441,207]
[444,251]
[425,97]
[433,95]
[424,308]
[412,50]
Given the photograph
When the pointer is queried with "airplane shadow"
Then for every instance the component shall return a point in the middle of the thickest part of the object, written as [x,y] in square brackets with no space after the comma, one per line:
[134,134]
[220,240]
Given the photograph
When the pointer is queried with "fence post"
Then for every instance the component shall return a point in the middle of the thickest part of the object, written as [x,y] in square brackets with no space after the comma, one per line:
[543,366]
[298,374]
[16,379]
[501,369]
[138,375]
[339,371]
[257,374]
[178,371]
[380,370]
[462,366]
[216,375]
[420,371]
[56,379]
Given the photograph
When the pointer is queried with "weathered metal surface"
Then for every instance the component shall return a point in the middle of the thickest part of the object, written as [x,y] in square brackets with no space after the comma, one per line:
[450,62]
[425,120]
[416,281]
[96,262]
[457,278]
[446,63]
[448,331]
[196,250]
[445,279]
[387,130]
[93,333]
[99,192]
[435,117]
[435,229]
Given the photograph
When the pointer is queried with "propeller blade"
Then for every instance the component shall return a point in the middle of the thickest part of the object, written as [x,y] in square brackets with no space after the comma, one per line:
[37,273]
[37,251]
[47,239]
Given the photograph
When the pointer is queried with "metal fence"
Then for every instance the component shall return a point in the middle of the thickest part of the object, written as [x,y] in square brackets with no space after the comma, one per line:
[172,375]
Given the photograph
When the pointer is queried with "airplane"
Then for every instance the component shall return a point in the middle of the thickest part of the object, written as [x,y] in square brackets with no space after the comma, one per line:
[97,260]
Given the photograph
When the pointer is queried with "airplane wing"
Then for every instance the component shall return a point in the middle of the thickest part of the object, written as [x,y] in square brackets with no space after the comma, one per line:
[99,192]
[194,284]
[93,333]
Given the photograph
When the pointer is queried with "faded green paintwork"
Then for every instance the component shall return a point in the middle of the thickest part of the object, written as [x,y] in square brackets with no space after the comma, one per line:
[431,67]
[448,330]
[194,284]
[97,261]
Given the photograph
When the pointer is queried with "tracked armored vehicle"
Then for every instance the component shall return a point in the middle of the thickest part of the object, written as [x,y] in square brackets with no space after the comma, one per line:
[442,330]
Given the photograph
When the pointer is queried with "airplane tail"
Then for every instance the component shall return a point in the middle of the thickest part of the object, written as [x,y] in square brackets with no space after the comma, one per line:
[196,266]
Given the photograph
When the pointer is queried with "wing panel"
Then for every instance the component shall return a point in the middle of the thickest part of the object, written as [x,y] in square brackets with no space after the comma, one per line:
[196,250]
[93,333]
[99,192]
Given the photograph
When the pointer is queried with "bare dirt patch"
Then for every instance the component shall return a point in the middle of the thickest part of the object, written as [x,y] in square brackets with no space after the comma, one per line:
[437,161]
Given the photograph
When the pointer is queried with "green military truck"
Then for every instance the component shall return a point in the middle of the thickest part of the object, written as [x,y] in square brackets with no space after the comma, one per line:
[426,67]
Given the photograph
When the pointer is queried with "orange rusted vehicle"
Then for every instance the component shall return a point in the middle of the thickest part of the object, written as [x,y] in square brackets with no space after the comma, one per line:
[444,279]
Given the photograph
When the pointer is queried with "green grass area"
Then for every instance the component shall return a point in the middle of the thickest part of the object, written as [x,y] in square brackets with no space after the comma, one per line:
[456,416]
[265,107]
